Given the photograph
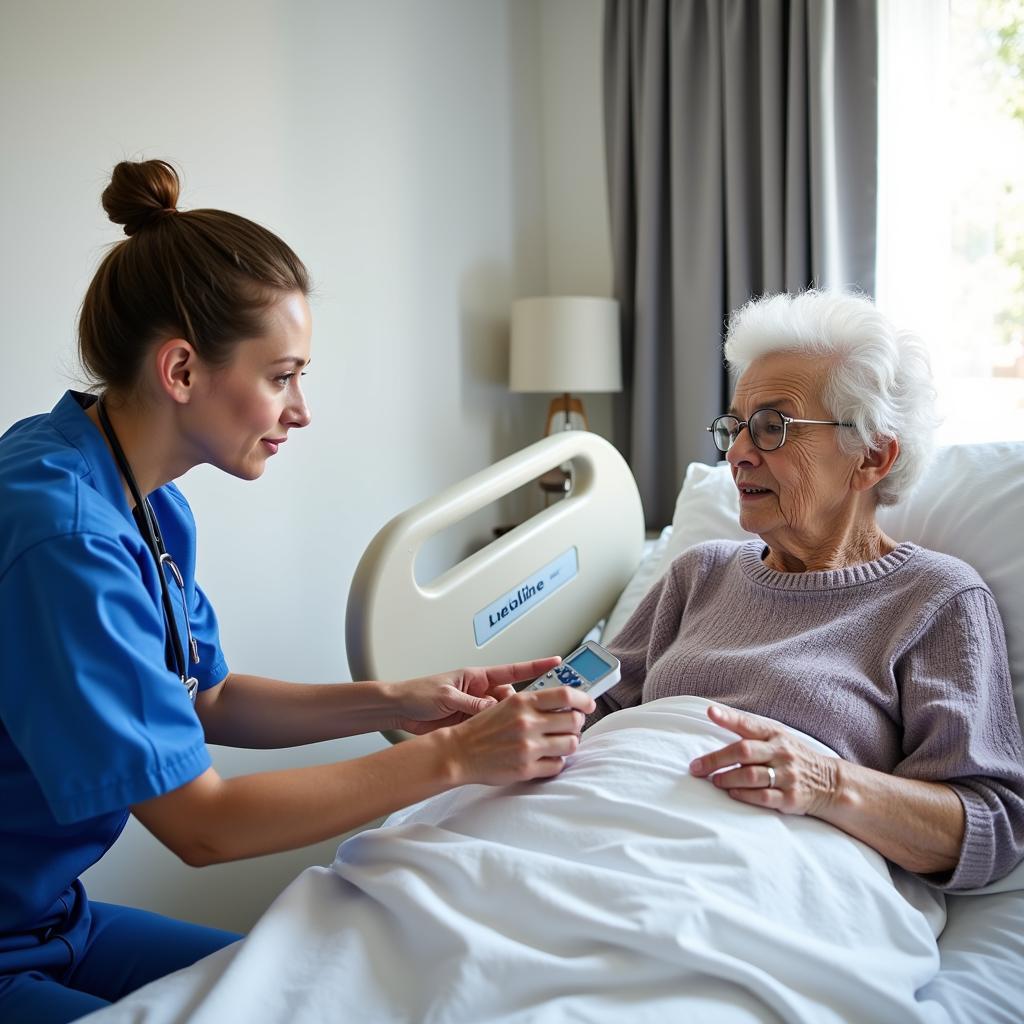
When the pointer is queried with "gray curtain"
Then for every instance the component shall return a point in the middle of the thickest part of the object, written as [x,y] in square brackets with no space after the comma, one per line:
[741,142]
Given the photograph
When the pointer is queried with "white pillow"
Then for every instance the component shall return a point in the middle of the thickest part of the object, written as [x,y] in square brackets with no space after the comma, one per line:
[970,504]
[707,509]
[649,569]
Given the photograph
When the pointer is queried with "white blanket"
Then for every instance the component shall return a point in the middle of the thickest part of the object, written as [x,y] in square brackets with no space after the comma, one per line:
[623,890]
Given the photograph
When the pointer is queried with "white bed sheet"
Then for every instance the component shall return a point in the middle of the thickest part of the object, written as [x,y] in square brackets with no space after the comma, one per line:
[982,948]
[624,889]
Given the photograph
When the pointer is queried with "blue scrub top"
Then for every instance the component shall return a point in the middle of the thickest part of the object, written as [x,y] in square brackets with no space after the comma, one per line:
[93,716]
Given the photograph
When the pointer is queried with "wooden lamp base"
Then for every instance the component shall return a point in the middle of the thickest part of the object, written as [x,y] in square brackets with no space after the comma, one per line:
[557,482]
[565,405]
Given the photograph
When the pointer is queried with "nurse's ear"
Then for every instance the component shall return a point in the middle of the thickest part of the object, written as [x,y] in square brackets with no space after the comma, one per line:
[177,367]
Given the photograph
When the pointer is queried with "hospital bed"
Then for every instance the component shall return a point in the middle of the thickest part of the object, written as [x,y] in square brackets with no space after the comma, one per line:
[598,895]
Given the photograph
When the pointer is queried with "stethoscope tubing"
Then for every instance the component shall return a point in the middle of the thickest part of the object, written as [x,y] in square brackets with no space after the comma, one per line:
[146,520]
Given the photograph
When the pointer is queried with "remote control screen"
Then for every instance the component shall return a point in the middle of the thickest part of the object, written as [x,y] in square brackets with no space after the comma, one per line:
[589,665]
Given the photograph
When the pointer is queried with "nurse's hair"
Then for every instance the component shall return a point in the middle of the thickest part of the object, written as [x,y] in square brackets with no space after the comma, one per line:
[203,275]
[880,379]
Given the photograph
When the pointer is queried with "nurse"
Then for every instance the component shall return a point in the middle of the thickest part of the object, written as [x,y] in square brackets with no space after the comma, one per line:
[196,332]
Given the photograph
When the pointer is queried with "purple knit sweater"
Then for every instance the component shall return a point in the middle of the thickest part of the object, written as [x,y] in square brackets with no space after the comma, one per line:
[897,664]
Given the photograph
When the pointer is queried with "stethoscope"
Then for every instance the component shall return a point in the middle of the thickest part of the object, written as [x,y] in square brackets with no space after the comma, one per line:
[146,520]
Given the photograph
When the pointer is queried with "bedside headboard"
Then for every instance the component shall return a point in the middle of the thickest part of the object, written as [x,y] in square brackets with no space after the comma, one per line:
[532,592]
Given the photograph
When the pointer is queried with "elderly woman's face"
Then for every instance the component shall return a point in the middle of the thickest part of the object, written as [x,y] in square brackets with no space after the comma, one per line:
[797,494]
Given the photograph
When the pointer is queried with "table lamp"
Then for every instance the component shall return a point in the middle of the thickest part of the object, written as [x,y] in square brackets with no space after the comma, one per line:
[564,344]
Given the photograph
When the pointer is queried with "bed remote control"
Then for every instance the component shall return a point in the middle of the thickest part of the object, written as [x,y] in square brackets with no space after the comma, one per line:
[590,668]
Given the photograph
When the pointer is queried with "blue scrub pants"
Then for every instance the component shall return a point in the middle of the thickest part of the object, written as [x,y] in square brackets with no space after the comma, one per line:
[125,949]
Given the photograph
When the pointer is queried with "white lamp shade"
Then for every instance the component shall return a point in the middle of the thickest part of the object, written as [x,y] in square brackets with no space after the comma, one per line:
[565,344]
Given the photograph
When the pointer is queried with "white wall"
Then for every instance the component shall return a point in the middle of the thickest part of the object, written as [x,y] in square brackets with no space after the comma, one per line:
[577,232]
[425,160]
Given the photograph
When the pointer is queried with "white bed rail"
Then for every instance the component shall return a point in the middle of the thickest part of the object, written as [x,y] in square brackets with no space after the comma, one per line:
[532,592]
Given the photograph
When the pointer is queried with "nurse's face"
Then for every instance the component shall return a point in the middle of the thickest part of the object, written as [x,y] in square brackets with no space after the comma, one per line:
[246,409]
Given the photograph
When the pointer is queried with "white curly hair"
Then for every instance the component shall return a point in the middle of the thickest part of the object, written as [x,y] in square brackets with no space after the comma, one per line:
[880,380]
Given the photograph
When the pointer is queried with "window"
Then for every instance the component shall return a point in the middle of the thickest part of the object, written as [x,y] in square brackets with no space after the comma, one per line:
[951,201]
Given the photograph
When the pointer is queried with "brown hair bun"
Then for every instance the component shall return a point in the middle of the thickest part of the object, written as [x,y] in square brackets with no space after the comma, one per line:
[141,193]
[207,276]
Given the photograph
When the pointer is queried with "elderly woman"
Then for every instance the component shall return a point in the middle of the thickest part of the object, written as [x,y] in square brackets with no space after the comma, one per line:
[892,655]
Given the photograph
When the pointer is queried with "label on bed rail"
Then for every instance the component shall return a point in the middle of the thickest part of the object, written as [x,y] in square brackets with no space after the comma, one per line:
[533,591]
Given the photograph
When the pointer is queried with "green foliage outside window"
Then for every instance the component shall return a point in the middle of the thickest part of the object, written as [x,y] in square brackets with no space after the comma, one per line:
[988,71]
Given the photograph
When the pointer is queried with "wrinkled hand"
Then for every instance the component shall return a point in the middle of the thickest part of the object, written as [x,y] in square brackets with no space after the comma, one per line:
[805,782]
[527,736]
[436,702]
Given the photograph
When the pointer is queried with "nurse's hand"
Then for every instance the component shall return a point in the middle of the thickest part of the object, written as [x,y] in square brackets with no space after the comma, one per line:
[436,702]
[527,736]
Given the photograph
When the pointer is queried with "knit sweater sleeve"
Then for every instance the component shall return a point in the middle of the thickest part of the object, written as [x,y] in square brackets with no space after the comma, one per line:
[645,635]
[960,727]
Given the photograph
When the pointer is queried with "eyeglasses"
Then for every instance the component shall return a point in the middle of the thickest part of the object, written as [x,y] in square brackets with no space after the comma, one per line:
[767,429]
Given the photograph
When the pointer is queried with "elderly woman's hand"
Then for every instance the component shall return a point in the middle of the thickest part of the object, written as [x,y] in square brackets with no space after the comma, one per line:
[768,766]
